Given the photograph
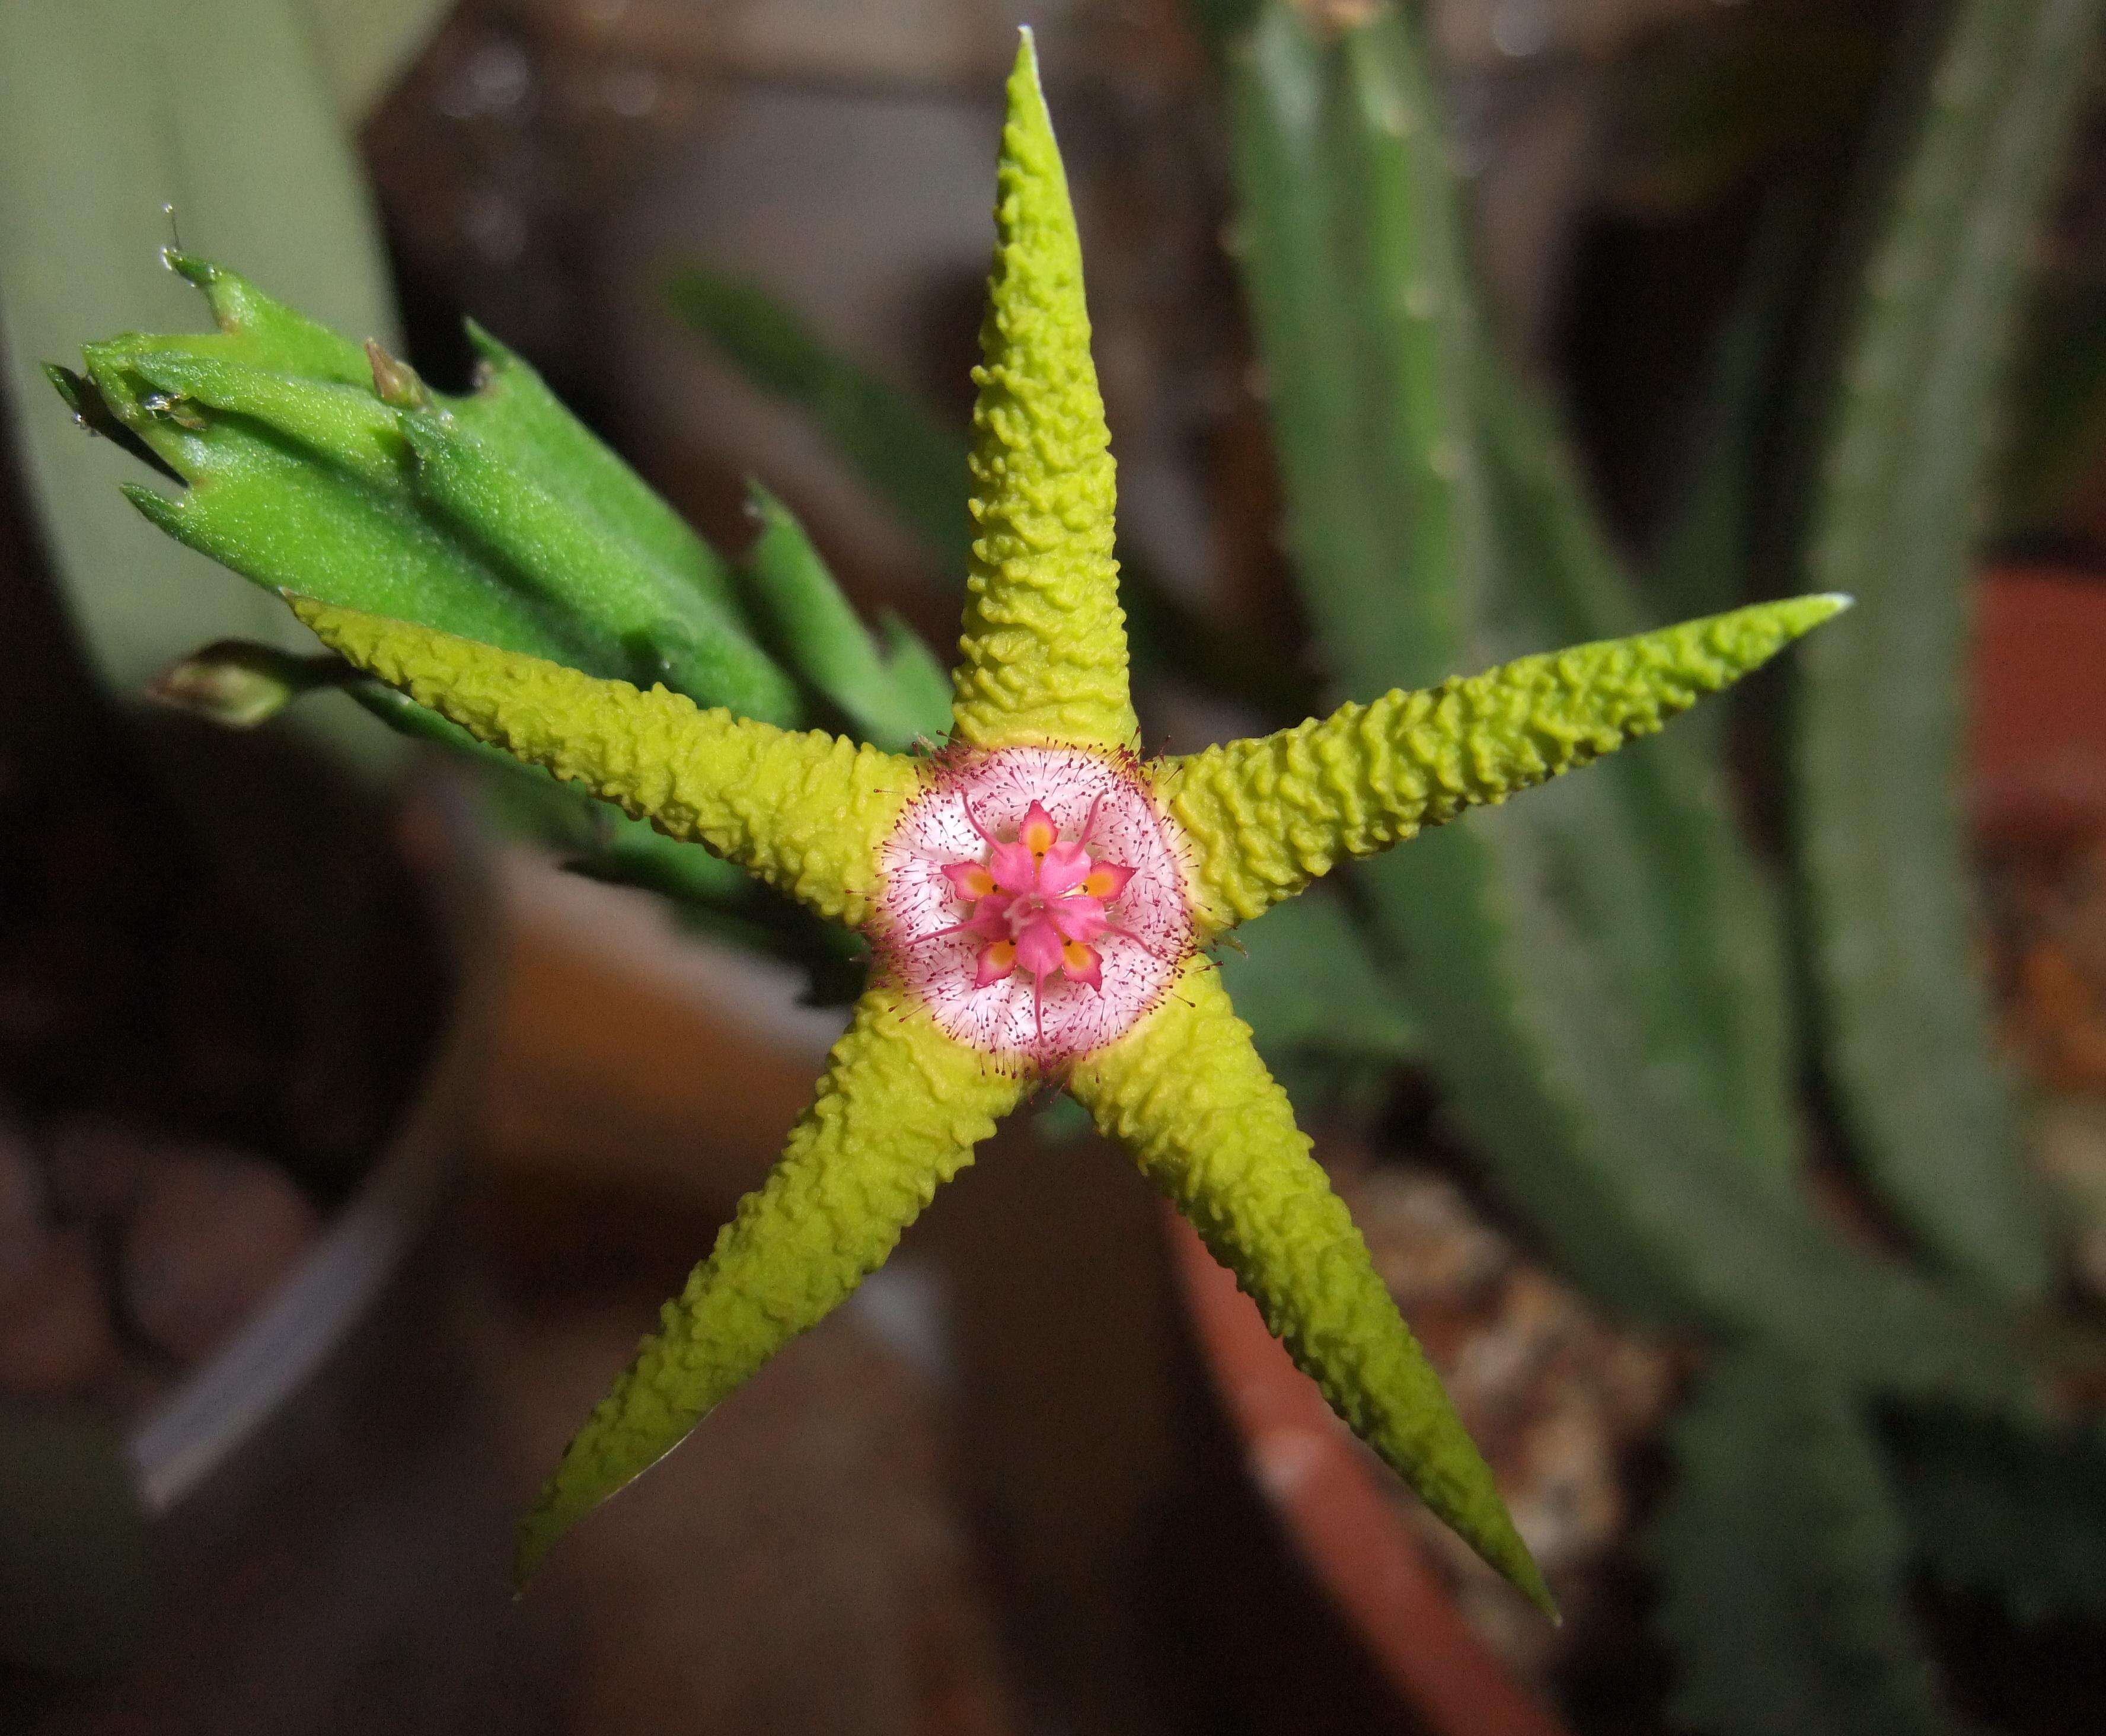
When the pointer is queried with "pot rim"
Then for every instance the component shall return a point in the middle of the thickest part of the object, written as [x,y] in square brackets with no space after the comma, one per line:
[203,1423]
[1343,1520]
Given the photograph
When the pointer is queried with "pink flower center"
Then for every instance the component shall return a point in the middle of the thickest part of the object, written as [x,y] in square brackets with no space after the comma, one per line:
[1035,901]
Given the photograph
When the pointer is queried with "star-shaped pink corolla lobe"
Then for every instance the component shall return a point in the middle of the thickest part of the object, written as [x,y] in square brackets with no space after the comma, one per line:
[1035,899]
[1038,902]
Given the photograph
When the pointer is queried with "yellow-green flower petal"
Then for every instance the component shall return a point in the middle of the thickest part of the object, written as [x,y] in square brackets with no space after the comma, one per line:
[1263,818]
[1186,1093]
[804,811]
[1043,658]
[897,1113]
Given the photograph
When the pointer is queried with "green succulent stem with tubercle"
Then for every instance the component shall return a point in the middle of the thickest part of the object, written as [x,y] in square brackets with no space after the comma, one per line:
[1042,670]
[485,566]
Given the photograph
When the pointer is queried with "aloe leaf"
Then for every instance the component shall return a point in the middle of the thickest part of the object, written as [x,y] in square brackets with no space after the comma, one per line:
[1310,979]
[917,674]
[108,111]
[1998,1507]
[291,516]
[1351,266]
[910,460]
[1531,951]
[817,633]
[260,329]
[163,395]
[1516,926]
[1881,837]
[1782,1560]
[586,570]
[1692,914]
[93,416]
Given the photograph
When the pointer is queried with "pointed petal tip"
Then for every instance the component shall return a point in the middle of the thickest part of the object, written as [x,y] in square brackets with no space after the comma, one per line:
[1800,616]
[1758,631]
[1525,1577]
[1499,1546]
[1027,83]
[1044,493]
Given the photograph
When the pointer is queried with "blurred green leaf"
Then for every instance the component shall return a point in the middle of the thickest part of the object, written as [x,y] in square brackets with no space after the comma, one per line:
[2017,1512]
[910,460]
[1310,981]
[1535,939]
[917,674]
[1677,897]
[1781,1561]
[893,700]
[1979,125]
[110,109]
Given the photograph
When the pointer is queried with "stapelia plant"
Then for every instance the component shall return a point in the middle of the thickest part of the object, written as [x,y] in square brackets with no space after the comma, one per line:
[1039,900]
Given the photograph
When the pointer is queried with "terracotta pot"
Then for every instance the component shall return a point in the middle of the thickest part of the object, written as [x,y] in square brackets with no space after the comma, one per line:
[2038,747]
[2038,734]
[1329,1498]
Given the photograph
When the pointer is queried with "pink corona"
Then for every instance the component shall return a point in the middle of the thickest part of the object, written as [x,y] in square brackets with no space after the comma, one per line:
[1035,899]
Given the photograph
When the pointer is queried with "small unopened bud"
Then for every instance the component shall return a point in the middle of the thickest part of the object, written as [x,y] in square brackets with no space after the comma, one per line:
[395,382]
[238,684]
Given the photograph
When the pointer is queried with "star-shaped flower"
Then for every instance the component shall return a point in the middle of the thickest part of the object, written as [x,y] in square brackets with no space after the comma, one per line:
[1038,899]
